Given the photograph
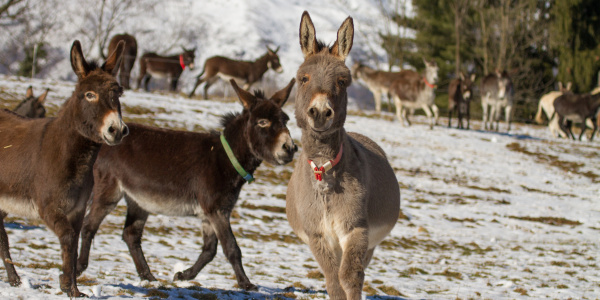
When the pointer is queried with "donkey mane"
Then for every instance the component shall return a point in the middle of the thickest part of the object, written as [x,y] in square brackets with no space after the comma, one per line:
[322,45]
[14,113]
[228,118]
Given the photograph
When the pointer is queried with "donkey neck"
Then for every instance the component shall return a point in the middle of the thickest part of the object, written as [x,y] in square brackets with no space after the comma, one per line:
[322,147]
[235,134]
[261,65]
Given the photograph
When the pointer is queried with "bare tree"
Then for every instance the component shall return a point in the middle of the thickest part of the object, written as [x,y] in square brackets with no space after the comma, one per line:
[6,12]
[459,9]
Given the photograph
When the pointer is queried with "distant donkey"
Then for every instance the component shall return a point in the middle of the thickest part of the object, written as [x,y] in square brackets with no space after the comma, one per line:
[244,72]
[496,92]
[171,67]
[378,82]
[46,164]
[343,197]
[413,90]
[129,56]
[460,91]
[570,108]
[31,106]
[546,105]
[180,173]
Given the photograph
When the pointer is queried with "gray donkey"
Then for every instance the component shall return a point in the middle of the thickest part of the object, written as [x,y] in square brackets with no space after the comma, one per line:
[343,198]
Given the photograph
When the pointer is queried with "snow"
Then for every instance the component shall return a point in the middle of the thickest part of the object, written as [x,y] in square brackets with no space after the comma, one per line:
[474,200]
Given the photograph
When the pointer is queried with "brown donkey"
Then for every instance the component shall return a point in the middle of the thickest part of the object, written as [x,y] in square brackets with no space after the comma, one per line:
[347,206]
[31,106]
[180,173]
[247,72]
[129,56]
[171,67]
[47,163]
[378,82]
[460,91]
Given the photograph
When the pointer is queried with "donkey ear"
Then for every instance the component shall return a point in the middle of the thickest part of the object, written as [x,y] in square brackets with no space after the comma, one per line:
[462,76]
[308,39]
[473,76]
[78,63]
[345,36]
[42,97]
[560,87]
[29,92]
[248,100]
[282,96]
[568,88]
[113,62]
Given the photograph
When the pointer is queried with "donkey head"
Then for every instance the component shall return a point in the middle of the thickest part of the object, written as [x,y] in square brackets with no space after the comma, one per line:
[188,57]
[32,107]
[273,60]
[431,71]
[503,83]
[466,85]
[265,130]
[321,100]
[564,89]
[97,112]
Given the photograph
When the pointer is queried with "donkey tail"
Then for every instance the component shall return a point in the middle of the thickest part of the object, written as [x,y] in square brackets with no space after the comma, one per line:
[538,115]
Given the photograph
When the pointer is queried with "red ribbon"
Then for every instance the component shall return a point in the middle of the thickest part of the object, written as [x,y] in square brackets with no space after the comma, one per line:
[326,166]
[181,63]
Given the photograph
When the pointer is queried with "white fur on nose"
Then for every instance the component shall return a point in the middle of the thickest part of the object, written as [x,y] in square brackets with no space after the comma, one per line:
[191,66]
[320,102]
[111,119]
[279,151]
[467,95]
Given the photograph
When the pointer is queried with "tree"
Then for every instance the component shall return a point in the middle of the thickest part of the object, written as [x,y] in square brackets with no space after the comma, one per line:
[11,9]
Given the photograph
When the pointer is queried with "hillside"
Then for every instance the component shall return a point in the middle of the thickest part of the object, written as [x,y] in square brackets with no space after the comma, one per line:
[485,216]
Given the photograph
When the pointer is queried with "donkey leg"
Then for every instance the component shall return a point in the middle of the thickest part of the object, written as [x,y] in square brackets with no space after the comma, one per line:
[146,81]
[330,264]
[450,117]
[208,83]
[468,104]
[222,227]
[352,271]
[132,235]
[436,114]
[68,235]
[427,111]
[174,82]
[508,116]
[583,128]
[209,250]
[484,108]
[377,98]
[104,200]
[398,103]
[13,277]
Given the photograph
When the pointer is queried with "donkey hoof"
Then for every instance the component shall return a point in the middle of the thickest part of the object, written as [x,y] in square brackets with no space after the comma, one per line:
[15,282]
[248,286]
[179,276]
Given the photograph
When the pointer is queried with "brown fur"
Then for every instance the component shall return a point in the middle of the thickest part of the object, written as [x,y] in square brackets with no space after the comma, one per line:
[164,66]
[129,56]
[571,108]
[377,81]
[31,106]
[496,92]
[47,163]
[460,91]
[181,173]
[411,91]
[246,72]
[346,215]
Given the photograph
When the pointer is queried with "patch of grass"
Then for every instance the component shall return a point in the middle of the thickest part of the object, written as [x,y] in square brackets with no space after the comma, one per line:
[369,290]
[87,281]
[521,291]
[315,274]
[412,271]
[281,177]
[275,209]
[560,264]
[555,221]
[450,275]
[157,293]
[256,236]
[36,246]
[391,291]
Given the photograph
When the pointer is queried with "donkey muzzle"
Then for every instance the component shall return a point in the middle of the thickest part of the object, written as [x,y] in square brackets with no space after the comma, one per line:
[113,129]
[320,113]
[284,152]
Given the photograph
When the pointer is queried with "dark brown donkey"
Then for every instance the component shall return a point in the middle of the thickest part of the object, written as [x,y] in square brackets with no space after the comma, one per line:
[347,206]
[129,56]
[571,108]
[47,163]
[246,72]
[180,173]
[31,106]
[460,91]
[171,67]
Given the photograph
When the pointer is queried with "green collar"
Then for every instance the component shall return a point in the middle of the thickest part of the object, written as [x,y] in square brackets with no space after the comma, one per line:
[234,161]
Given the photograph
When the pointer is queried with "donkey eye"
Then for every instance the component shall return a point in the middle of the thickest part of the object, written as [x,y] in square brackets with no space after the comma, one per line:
[304,79]
[264,123]
[90,96]
[341,82]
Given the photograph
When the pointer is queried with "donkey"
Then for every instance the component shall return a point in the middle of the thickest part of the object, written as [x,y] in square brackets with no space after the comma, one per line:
[413,90]
[171,67]
[546,105]
[31,106]
[129,56]
[378,82]
[47,163]
[347,206]
[496,92]
[181,173]
[459,99]
[246,72]
[570,108]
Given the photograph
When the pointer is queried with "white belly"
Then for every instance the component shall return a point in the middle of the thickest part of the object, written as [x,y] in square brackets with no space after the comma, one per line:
[20,207]
[163,205]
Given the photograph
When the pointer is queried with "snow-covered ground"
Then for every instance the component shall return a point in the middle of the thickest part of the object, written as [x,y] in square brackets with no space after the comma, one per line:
[487,216]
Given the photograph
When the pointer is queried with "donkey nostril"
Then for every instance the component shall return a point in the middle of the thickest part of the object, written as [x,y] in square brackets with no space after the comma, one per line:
[125,130]
[328,113]
[312,111]
[111,130]
[295,148]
